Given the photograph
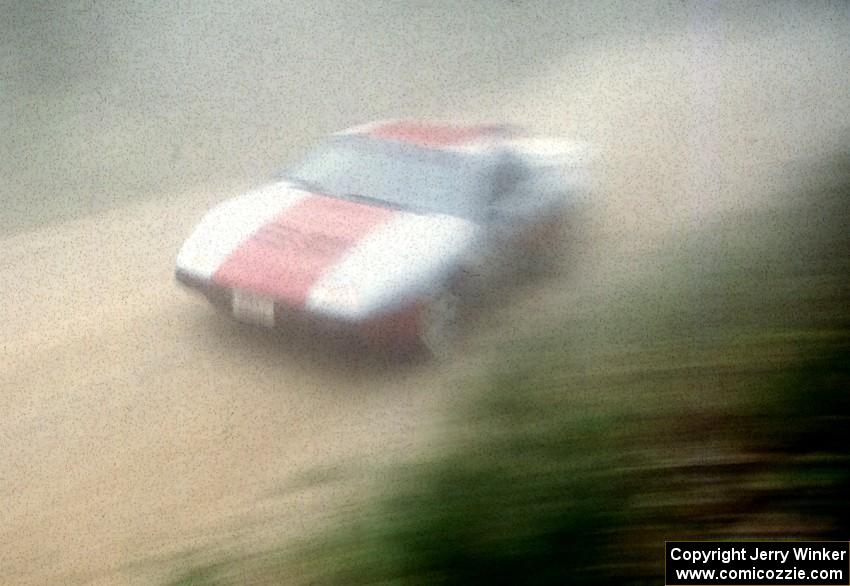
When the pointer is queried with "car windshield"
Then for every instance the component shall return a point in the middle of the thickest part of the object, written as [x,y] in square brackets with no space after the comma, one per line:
[394,174]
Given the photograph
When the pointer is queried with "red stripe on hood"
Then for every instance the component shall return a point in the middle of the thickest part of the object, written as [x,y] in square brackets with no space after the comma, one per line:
[289,254]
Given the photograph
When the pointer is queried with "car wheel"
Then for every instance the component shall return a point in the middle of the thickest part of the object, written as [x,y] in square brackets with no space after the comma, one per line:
[439,325]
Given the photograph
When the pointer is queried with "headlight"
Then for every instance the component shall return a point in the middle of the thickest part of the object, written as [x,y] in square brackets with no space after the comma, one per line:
[340,300]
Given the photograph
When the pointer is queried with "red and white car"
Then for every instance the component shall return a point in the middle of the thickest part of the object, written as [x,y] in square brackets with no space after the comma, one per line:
[383,229]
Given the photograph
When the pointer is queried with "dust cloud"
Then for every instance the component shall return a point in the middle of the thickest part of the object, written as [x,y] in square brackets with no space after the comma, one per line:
[136,423]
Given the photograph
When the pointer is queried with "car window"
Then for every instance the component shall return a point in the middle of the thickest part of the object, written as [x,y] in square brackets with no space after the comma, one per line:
[509,175]
[398,174]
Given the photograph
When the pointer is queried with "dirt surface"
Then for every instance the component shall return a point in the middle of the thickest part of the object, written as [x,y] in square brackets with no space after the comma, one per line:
[135,424]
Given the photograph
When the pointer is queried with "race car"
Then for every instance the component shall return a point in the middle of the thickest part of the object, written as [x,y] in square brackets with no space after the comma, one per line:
[384,230]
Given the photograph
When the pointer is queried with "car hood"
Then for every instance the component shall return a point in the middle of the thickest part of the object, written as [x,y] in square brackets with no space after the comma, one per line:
[333,256]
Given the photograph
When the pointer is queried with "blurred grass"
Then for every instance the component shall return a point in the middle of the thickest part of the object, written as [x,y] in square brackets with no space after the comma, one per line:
[708,402]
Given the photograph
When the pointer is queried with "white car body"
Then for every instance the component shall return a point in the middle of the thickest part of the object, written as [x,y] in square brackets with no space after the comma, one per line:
[285,251]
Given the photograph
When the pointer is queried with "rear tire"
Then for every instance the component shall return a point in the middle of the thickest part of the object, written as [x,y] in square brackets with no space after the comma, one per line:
[439,326]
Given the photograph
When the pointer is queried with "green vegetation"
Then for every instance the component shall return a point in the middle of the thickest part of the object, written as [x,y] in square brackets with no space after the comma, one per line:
[709,402]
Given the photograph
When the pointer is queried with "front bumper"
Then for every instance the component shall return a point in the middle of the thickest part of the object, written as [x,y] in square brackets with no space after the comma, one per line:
[401,326]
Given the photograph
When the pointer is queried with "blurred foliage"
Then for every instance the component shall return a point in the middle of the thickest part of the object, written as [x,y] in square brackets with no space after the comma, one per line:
[710,402]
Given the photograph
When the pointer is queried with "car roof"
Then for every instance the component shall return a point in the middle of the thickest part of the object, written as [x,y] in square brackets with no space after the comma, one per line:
[437,135]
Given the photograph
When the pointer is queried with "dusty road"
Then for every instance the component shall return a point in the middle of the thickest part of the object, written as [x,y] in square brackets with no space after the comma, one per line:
[136,419]
[134,423]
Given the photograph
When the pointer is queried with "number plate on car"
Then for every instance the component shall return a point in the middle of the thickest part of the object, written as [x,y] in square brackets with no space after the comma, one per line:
[252,308]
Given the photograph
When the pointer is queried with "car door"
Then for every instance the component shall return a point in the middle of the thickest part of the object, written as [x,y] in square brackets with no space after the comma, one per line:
[484,261]
[517,206]
[504,218]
